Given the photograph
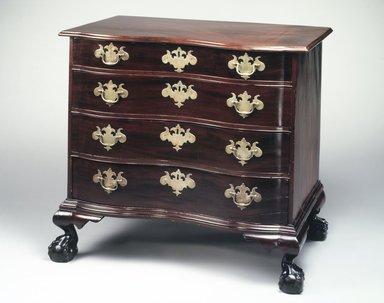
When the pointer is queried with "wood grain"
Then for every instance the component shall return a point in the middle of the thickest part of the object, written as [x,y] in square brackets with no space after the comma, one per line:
[208,151]
[210,105]
[287,129]
[218,34]
[306,135]
[213,62]
[144,190]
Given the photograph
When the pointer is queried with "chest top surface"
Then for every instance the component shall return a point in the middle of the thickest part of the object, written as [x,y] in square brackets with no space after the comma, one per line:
[219,34]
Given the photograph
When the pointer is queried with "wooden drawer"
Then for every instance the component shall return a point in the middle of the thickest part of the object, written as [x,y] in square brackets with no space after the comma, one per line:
[209,61]
[178,142]
[143,189]
[205,99]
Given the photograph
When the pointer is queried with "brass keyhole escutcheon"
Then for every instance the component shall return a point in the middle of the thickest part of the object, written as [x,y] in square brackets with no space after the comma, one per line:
[177,136]
[179,59]
[178,181]
[179,92]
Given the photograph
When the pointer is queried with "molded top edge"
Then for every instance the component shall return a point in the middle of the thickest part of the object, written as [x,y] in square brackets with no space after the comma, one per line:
[218,34]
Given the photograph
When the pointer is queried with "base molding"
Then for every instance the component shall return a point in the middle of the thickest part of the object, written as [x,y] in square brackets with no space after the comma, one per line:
[289,238]
[292,241]
[86,208]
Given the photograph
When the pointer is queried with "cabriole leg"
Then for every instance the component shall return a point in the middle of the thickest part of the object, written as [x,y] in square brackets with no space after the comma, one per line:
[292,276]
[64,247]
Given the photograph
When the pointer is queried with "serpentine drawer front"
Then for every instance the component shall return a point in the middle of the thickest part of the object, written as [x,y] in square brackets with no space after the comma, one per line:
[206,147]
[144,189]
[184,59]
[219,100]
[196,126]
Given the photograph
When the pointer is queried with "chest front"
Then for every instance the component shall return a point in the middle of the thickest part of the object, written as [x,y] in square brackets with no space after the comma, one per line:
[164,125]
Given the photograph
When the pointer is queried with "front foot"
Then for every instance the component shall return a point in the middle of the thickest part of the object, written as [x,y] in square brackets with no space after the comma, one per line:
[318,229]
[292,277]
[64,247]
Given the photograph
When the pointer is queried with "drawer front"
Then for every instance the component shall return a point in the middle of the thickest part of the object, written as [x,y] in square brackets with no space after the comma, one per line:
[222,101]
[183,59]
[177,142]
[258,200]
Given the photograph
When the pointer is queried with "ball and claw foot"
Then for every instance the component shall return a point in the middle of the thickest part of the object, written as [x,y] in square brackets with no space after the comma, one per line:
[292,277]
[318,229]
[64,247]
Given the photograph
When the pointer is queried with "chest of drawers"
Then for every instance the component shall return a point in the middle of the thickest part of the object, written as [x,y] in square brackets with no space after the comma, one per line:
[213,123]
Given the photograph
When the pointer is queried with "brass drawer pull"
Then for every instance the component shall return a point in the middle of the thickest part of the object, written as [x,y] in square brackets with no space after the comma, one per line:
[109,181]
[242,196]
[243,150]
[243,104]
[177,136]
[110,93]
[108,136]
[179,92]
[177,181]
[246,65]
[110,54]
[179,58]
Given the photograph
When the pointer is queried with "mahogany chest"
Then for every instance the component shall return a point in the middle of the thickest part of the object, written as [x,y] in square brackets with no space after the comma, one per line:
[213,123]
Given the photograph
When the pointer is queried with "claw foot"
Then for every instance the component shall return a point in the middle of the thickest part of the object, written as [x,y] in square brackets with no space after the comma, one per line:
[318,229]
[292,278]
[63,249]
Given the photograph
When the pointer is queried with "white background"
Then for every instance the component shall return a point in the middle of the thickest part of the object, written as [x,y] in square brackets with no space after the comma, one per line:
[156,261]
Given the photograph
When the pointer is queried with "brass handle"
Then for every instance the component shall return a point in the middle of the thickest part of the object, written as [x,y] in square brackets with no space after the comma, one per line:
[177,181]
[179,58]
[243,104]
[109,181]
[177,136]
[108,136]
[243,150]
[110,93]
[179,92]
[242,196]
[110,54]
[246,65]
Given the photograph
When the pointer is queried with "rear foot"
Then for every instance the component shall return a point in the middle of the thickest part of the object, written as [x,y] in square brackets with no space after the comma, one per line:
[318,229]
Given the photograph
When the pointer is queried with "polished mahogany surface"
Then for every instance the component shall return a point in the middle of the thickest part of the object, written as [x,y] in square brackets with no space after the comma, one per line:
[218,34]
[307,127]
[209,107]
[280,187]
[285,129]
[144,145]
[144,190]
[210,61]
